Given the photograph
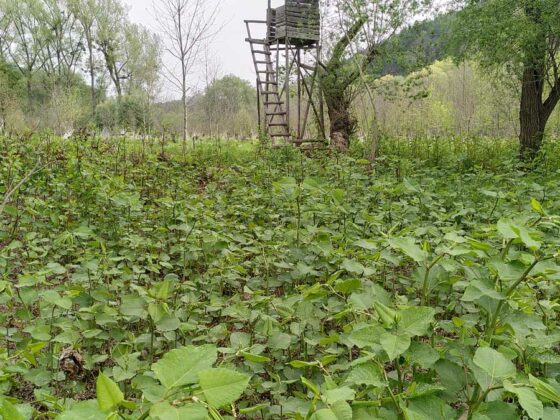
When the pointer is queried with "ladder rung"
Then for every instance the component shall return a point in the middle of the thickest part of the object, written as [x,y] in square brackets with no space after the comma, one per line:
[263,62]
[276,113]
[306,141]
[273,103]
[277,124]
[266,71]
[265,82]
[269,92]
[261,52]
[255,41]
[255,21]
[279,135]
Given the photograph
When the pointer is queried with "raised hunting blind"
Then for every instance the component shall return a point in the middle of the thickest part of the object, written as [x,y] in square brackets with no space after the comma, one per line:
[286,63]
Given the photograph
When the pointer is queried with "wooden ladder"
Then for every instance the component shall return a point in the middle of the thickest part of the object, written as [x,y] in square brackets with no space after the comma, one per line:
[275,115]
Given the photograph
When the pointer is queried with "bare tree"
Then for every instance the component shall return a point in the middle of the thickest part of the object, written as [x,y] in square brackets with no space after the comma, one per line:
[186,26]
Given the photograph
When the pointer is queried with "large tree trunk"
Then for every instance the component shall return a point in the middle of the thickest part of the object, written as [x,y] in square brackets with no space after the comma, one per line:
[336,79]
[532,114]
[341,120]
[29,89]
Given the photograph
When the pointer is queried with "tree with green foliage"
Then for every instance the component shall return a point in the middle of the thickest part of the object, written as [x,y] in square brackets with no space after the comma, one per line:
[64,41]
[224,103]
[365,26]
[27,37]
[85,12]
[521,39]
[111,19]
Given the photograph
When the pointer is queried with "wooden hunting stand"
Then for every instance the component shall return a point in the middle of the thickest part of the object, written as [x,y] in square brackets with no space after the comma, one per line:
[286,63]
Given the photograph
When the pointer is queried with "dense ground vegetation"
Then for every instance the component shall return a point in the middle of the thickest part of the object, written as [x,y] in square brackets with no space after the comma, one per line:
[141,282]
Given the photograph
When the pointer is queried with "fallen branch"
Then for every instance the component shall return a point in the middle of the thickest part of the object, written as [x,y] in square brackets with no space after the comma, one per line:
[38,167]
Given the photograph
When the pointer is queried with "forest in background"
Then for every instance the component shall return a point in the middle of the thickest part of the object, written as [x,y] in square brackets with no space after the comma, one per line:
[66,65]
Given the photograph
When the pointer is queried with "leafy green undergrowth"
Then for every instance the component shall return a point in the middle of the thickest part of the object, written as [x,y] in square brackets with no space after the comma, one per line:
[235,281]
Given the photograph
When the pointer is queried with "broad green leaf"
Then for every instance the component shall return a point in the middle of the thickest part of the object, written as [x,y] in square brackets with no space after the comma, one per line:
[353,266]
[54,298]
[85,410]
[423,355]
[410,248]
[339,394]
[365,374]
[478,289]
[527,399]
[342,410]
[181,366]
[416,320]
[505,227]
[551,413]
[494,364]
[109,394]
[510,230]
[394,345]
[527,239]
[348,286]
[496,410]
[166,411]
[366,244]
[429,408]
[299,364]
[537,206]
[222,386]
[163,289]
[324,414]
[132,305]
[257,358]
[366,336]
[544,390]
[168,322]
[452,377]
[8,411]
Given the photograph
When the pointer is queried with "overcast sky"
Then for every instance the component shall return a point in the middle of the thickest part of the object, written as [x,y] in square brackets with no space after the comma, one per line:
[230,49]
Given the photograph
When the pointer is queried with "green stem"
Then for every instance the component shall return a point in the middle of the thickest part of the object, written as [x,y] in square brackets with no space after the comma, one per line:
[509,292]
[426,278]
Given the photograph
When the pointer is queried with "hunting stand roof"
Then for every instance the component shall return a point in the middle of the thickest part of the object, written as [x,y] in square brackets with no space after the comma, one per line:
[297,22]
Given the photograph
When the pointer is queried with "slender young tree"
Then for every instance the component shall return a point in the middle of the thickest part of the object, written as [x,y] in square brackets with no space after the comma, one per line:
[186,27]
[85,12]
[521,39]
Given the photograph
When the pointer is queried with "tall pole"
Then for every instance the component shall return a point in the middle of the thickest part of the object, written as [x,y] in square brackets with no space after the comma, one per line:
[259,106]
[321,98]
[287,81]
[298,64]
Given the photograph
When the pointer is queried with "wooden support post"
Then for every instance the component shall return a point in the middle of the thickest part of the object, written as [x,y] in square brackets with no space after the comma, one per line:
[299,79]
[321,98]
[287,82]
[259,106]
